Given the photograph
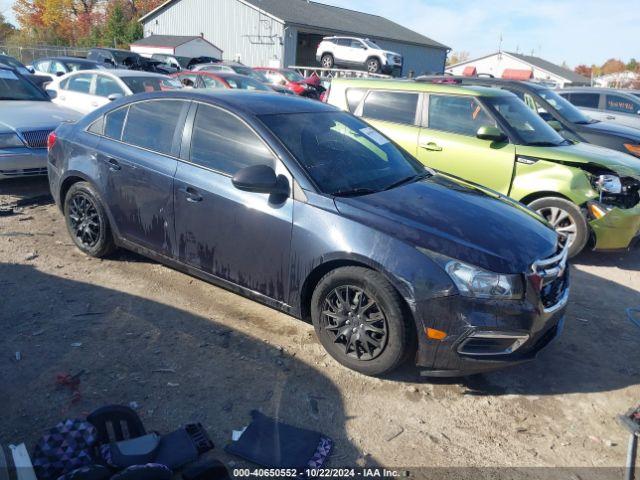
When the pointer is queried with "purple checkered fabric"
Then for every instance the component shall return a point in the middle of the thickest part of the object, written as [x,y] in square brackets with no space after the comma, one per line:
[64,448]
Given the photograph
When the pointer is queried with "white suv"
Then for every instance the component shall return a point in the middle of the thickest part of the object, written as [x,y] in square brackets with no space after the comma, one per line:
[357,52]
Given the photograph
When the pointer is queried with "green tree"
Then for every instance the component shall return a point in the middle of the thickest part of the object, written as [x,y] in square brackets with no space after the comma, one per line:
[6,29]
[115,30]
[632,65]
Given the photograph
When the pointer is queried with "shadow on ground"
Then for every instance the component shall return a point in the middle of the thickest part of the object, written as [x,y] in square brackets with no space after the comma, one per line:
[177,367]
[599,349]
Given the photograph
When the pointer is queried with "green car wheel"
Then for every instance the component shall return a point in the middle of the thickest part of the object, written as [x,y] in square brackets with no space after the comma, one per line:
[567,219]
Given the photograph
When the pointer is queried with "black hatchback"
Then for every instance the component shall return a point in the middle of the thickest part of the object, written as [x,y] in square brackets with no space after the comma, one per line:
[311,211]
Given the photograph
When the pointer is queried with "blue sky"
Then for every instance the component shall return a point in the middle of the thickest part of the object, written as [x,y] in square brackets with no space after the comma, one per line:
[575,31]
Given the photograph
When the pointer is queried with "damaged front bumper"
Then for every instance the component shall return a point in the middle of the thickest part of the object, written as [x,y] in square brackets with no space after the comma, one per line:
[617,229]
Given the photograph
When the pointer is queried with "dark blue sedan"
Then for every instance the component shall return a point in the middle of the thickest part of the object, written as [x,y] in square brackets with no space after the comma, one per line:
[313,212]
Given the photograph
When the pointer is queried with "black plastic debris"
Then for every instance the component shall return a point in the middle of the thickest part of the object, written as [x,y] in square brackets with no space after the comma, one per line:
[273,444]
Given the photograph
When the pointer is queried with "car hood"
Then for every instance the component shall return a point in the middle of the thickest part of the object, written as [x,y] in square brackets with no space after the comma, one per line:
[585,154]
[34,115]
[457,219]
[389,52]
[614,129]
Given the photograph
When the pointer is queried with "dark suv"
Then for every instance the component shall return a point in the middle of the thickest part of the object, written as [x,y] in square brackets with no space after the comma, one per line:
[315,213]
[117,58]
[570,122]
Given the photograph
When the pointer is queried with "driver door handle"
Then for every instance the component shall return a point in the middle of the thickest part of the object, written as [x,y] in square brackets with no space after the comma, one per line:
[113,164]
[610,117]
[191,194]
[432,146]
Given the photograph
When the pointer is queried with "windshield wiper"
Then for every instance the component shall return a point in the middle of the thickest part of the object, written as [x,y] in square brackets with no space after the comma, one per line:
[354,192]
[410,179]
[544,144]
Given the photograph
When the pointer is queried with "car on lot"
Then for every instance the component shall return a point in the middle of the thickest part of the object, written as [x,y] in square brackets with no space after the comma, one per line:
[357,53]
[181,63]
[291,79]
[87,90]
[57,66]
[125,59]
[206,79]
[313,212]
[563,117]
[27,116]
[240,69]
[606,104]
[15,64]
[489,136]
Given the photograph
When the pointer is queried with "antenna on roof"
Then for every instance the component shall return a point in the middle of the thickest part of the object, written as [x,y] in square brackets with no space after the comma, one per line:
[500,44]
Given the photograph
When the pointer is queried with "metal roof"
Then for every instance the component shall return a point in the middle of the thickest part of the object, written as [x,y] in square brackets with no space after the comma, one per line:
[543,64]
[169,41]
[336,20]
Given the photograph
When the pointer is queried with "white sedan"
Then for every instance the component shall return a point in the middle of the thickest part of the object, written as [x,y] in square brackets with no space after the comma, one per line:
[86,90]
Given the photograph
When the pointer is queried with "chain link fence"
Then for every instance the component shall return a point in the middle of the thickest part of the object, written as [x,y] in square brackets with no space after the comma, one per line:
[28,54]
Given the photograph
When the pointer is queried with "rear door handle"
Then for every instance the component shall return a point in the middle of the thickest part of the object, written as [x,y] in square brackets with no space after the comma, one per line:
[610,117]
[191,194]
[432,146]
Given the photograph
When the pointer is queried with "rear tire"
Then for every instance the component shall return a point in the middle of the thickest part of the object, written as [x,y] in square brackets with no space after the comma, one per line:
[87,220]
[567,219]
[359,318]
[327,61]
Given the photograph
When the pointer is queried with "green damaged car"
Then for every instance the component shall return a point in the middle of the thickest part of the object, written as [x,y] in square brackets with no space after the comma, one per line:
[589,194]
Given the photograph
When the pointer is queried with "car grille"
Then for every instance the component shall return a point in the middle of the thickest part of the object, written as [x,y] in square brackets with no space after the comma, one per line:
[552,276]
[36,138]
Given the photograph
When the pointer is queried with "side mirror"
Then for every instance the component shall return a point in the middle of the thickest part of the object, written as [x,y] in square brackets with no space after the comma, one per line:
[52,94]
[114,96]
[260,179]
[491,133]
[555,124]
[59,74]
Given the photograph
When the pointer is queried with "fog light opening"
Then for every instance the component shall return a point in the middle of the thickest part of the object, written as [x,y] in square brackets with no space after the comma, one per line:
[492,343]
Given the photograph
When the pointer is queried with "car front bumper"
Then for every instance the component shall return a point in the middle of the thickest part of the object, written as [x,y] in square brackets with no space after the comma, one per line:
[23,162]
[485,335]
[617,229]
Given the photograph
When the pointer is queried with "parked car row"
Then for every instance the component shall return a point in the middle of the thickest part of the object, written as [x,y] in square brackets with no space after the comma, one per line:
[428,219]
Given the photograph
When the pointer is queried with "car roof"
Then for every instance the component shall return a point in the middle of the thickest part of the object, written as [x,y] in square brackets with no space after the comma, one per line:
[597,90]
[122,72]
[245,101]
[67,59]
[412,86]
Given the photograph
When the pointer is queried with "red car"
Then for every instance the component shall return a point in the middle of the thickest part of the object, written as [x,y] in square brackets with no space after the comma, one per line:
[305,87]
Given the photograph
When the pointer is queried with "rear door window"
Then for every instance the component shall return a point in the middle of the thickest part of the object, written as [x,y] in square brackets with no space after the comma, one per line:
[457,114]
[585,100]
[106,86]
[80,83]
[154,125]
[396,107]
[113,123]
[617,103]
[354,97]
[222,142]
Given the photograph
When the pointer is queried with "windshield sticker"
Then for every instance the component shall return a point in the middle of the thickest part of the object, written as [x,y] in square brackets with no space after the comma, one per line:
[8,75]
[373,135]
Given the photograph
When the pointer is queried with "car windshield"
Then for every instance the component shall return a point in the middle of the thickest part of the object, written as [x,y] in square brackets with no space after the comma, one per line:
[246,83]
[370,44]
[122,56]
[250,72]
[563,106]
[292,76]
[531,128]
[151,84]
[14,87]
[342,154]
[12,62]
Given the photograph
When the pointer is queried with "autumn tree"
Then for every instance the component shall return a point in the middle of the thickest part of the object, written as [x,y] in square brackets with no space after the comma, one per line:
[457,57]
[613,65]
[583,70]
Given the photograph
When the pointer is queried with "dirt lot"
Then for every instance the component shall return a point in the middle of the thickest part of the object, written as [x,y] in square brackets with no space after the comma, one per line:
[184,350]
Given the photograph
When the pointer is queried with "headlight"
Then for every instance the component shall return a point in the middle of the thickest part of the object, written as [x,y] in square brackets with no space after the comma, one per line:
[10,140]
[473,281]
[609,184]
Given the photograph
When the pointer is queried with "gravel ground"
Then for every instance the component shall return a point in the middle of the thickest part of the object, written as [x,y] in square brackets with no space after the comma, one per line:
[183,350]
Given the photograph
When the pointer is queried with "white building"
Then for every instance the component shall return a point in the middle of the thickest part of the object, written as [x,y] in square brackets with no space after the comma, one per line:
[516,66]
[181,46]
[287,32]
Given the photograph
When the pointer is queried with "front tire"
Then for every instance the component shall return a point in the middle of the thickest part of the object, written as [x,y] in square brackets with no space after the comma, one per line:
[373,65]
[359,318]
[87,220]
[327,61]
[567,219]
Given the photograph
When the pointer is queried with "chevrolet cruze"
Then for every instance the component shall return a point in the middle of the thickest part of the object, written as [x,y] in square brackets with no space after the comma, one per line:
[311,211]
